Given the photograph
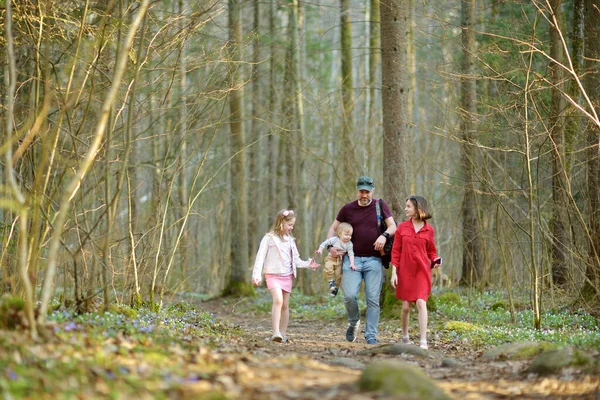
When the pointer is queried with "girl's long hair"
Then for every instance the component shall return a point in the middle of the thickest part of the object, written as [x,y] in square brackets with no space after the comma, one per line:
[281,217]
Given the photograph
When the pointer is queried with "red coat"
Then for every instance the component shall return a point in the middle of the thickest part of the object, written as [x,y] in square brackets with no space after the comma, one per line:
[412,255]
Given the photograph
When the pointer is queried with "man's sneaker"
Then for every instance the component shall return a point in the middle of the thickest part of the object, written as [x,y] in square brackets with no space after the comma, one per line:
[334,292]
[352,332]
[277,337]
[372,341]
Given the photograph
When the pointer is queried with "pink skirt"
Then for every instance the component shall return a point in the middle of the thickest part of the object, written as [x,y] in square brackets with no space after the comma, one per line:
[278,281]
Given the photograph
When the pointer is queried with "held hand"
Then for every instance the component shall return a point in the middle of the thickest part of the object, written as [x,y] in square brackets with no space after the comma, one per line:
[336,252]
[379,243]
[353,267]
[256,281]
[319,251]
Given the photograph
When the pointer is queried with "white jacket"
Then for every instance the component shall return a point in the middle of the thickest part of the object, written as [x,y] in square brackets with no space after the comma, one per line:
[269,258]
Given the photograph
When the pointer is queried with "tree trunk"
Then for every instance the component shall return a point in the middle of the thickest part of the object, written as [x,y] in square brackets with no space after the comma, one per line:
[559,224]
[471,264]
[573,116]
[239,280]
[347,157]
[373,115]
[297,130]
[256,153]
[183,153]
[592,87]
[272,142]
[395,97]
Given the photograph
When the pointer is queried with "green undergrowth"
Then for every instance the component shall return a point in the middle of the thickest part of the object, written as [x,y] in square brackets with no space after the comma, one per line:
[473,320]
[122,353]
[484,320]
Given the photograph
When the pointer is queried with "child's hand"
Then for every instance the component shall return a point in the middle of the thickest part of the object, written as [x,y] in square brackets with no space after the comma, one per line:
[313,264]
[256,281]
[353,267]
[319,251]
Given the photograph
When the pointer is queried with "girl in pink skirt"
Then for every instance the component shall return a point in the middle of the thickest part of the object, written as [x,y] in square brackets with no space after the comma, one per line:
[278,257]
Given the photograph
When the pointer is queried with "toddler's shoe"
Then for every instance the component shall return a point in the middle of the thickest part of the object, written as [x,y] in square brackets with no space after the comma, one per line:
[331,286]
[334,292]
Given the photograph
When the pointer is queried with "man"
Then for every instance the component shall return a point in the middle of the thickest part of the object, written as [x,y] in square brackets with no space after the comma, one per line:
[368,245]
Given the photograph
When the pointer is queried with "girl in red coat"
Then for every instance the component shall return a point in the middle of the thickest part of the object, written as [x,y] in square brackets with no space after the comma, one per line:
[413,257]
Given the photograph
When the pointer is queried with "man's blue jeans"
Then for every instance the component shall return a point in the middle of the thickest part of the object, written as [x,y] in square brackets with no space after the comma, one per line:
[369,269]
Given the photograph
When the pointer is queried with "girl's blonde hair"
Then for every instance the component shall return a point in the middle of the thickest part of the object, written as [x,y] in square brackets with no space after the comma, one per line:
[281,217]
[343,227]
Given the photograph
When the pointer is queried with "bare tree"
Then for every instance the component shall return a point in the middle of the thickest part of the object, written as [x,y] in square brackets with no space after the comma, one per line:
[19,198]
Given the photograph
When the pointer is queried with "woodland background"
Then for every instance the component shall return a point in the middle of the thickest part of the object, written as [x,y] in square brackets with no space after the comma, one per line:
[147,145]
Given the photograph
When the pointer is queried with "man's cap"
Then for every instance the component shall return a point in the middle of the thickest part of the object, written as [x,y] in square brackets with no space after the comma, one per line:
[365,183]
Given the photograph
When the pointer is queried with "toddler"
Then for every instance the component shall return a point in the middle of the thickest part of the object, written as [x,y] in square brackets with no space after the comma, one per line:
[333,265]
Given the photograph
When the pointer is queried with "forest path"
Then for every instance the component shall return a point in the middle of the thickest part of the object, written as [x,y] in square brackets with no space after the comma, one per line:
[318,363]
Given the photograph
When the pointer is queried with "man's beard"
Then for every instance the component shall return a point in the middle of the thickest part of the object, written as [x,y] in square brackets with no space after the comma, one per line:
[364,202]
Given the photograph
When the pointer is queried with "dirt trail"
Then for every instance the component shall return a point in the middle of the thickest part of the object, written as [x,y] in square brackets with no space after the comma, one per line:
[318,363]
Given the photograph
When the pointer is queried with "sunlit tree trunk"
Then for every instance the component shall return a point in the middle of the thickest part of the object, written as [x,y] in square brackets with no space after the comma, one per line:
[472,257]
[239,283]
[347,158]
[395,97]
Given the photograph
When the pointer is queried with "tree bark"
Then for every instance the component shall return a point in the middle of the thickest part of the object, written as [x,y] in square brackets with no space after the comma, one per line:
[256,154]
[373,117]
[347,157]
[559,224]
[395,97]
[592,86]
[472,257]
[239,280]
